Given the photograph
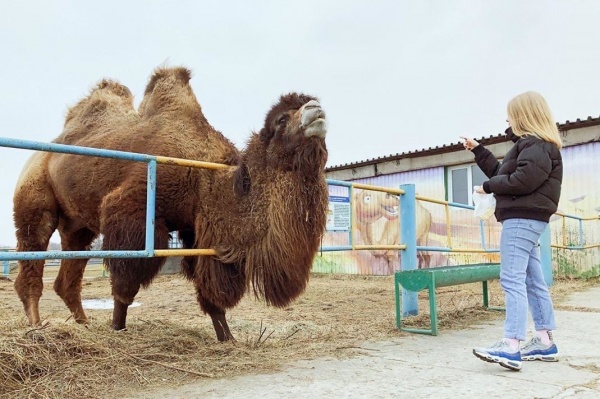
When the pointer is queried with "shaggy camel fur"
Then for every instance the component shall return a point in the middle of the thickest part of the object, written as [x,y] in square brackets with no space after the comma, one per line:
[264,216]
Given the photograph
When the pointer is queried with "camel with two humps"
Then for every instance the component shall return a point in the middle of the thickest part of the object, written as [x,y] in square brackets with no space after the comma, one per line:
[264,215]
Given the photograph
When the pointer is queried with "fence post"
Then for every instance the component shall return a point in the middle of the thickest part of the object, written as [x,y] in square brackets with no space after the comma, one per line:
[408,236]
[546,255]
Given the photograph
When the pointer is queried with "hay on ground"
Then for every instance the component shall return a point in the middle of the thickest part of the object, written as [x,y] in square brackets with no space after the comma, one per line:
[169,342]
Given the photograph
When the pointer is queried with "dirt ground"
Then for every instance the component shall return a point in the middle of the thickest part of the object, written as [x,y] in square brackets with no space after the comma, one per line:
[169,342]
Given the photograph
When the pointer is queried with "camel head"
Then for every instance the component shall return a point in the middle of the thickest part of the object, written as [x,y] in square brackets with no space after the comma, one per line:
[292,139]
[295,114]
[294,133]
[373,205]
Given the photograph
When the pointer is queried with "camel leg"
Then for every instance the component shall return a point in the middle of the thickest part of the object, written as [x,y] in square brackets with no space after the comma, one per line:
[70,274]
[219,286]
[219,321]
[188,263]
[127,276]
[120,313]
[33,234]
[35,214]
[124,230]
[29,287]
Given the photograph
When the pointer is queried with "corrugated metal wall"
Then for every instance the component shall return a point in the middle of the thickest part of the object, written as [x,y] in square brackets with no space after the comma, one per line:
[580,197]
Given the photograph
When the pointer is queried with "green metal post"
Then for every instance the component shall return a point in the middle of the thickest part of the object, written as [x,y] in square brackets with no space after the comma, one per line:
[486,299]
[433,306]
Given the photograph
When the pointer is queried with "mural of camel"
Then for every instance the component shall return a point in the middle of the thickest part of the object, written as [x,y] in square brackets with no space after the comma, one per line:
[371,207]
[264,216]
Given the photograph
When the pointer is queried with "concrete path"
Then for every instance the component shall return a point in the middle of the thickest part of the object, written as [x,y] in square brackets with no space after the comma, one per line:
[421,366]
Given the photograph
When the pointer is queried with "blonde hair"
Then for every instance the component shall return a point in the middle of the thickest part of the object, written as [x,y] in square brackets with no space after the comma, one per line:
[529,114]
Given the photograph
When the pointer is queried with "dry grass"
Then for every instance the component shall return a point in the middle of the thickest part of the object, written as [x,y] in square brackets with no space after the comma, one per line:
[169,342]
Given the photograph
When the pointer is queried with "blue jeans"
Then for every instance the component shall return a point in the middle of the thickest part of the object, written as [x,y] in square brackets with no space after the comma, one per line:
[522,279]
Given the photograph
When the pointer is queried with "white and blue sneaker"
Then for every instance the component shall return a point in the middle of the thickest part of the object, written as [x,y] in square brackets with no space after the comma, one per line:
[536,350]
[502,354]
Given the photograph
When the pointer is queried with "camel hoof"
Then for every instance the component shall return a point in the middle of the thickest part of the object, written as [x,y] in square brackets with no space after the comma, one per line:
[227,338]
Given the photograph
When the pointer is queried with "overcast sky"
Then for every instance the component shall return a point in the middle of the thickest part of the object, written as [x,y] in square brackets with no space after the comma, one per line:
[393,76]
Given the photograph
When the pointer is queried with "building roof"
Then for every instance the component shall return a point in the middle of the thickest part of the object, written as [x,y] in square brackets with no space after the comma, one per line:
[499,138]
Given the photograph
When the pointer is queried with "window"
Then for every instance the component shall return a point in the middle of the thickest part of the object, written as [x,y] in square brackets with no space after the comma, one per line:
[174,241]
[461,180]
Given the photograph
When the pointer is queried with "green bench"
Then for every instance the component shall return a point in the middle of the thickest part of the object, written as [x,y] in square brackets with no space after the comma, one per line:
[420,279]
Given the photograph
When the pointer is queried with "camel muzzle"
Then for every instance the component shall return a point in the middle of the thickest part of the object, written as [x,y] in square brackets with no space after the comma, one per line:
[313,120]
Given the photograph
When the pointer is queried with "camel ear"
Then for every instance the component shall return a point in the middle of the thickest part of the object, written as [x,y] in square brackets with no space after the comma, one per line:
[266,134]
[241,180]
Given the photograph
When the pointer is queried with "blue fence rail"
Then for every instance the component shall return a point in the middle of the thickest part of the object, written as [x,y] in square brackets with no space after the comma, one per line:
[407,209]
[152,161]
[76,150]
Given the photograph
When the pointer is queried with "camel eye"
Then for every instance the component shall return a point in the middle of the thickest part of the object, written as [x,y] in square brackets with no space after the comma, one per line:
[367,199]
[283,119]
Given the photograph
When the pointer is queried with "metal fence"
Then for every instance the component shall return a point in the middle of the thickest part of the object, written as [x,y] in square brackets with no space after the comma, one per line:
[406,195]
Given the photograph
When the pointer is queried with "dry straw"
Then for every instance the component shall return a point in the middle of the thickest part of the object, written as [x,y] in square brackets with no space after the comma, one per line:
[169,342]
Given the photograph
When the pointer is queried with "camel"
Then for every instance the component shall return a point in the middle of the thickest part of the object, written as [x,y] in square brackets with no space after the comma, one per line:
[264,215]
[373,206]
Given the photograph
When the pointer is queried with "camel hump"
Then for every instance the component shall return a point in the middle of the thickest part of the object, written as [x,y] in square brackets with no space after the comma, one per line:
[33,169]
[33,192]
[106,100]
[164,77]
[169,91]
[114,87]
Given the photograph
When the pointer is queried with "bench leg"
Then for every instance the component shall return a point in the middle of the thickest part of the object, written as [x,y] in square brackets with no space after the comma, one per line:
[486,299]
[433,306]
[432,309]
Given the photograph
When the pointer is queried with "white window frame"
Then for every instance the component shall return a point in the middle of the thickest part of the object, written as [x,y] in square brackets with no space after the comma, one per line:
[449,190]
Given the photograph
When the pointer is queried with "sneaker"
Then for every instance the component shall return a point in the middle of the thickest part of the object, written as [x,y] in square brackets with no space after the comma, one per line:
[502,354]
[536,350]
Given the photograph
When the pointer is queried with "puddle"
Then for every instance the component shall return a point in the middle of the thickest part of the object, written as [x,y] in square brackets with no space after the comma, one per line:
[102,304]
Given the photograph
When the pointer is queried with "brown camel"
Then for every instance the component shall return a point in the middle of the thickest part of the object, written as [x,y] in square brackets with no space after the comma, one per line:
[264,216]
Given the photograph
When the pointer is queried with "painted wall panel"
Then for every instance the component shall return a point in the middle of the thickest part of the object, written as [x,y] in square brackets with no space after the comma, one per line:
[377,222]
[581,197]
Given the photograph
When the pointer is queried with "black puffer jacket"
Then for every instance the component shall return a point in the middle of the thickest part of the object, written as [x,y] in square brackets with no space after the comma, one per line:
[528,181]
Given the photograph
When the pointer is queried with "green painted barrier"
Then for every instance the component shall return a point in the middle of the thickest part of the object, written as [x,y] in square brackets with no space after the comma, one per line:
[430,279]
